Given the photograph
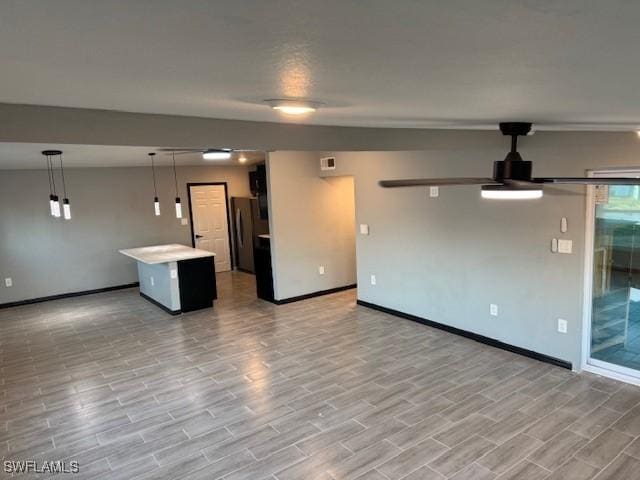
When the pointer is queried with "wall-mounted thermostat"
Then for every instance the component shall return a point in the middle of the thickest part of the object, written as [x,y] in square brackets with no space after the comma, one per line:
[328,163]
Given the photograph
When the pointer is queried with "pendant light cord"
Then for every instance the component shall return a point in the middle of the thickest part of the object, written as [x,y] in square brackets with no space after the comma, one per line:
[53,177]
[153,171]
[49,175]
[64,184]
[175,175]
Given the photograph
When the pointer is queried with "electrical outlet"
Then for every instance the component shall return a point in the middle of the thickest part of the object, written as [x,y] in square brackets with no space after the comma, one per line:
[152,281]
[364,229]
[321,269]
[184,221]
[434,192]
[562,325]
[373,279]
[8,282]
[493,310]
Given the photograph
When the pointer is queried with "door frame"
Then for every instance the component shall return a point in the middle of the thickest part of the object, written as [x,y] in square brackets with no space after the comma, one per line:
[232,248]
[588,364]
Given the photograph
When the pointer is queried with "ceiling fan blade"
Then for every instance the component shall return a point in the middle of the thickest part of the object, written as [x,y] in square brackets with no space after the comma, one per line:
[563,192]
[436,182]
[589,180]
[181,150]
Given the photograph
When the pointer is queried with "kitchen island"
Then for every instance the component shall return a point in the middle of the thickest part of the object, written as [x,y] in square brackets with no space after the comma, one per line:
[175,277]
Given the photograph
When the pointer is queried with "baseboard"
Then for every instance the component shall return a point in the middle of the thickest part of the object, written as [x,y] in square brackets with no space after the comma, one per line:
[314,294]
[159,305]
[473,336]
[243,270]
[67,295]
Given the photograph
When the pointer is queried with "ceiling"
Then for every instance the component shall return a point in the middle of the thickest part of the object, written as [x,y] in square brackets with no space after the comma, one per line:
[409,63]
[28,156]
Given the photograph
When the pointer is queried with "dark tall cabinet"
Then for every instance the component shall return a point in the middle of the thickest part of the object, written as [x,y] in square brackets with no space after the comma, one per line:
[261,184]
[264,275]
[248,225]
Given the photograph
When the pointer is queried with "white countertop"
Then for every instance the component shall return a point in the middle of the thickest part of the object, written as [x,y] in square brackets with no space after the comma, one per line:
[173,252]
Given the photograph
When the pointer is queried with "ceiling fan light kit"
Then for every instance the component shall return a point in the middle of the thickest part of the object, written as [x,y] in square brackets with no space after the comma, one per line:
[512,177]
[221,154]
[503,192]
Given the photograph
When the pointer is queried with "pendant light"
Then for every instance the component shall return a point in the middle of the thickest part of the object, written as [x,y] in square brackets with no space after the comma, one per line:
[156,202]
[175,178]
[66,206]
[54,201]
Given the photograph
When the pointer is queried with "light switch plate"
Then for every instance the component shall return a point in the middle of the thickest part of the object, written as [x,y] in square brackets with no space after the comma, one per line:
[493,310]
[8,282]
[554,245]
[152,281]
[321,269]
[373,279]
[564,225]
[562,325]
[184,221]
[174,273]
[565,246]
[434,192]
[364,229]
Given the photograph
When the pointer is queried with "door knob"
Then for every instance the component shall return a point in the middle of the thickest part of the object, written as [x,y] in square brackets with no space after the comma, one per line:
[198,236]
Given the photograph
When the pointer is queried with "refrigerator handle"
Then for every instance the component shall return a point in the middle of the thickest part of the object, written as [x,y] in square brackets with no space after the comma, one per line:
[239,228]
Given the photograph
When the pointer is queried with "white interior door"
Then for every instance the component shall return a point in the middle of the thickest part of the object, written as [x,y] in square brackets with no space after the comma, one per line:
[210,225]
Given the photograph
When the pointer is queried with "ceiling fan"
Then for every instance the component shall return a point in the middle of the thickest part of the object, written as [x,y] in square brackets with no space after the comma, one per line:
[207,153]
[512,176]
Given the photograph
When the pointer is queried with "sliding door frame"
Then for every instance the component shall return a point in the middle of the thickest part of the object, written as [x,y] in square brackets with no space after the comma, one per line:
[589,364]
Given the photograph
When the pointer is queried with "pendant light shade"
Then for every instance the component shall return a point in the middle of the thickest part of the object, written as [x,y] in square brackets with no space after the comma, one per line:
[55,206]
[52,205]
[156,202]
[66,209]
[175,178]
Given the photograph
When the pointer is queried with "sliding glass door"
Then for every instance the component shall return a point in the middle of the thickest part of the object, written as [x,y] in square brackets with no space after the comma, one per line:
[614,343]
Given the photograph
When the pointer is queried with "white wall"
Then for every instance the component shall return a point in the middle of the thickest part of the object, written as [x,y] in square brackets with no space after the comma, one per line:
[112,209]
[312,223]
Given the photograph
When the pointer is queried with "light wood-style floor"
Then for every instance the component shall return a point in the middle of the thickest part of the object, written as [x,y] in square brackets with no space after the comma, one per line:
[319,389]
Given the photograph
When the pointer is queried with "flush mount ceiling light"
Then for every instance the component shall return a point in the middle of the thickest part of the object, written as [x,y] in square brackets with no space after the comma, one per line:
[217,154]
[512,177]
[293,107]
[242,159]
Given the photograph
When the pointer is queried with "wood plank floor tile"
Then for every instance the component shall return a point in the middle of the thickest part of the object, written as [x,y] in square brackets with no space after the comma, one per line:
[318,389]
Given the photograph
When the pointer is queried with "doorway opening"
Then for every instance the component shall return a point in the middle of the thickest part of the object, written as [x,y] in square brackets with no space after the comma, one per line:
[612,300]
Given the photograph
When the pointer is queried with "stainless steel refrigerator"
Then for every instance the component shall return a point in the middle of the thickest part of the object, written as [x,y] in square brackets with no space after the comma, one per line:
[247,226]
